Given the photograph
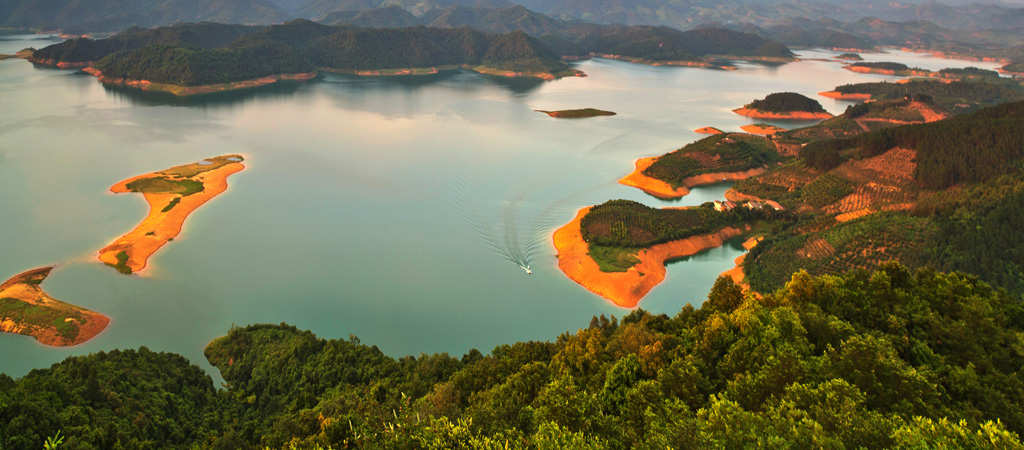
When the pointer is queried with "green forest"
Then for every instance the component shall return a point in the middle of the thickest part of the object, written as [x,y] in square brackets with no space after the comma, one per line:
[957,96]
[784,102]
[890,359]
[714,154]
[208,53]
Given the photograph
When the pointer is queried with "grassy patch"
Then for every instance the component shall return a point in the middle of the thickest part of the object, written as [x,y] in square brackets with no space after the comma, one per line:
[122,263]
[191,170]
[170,206]
[614,259]
[25,313]
[164,185]
[825,190]
[713,154]
[578,113]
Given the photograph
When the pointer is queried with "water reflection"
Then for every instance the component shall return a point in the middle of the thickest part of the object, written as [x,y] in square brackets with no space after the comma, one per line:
[277,91]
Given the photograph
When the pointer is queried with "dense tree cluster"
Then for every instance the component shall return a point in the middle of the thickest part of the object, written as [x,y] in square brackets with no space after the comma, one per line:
[714,154]
[194,67]
[201,35]
[625,223]
[965,149]
[956,96]
[969,72]
[784,102]
[891,359]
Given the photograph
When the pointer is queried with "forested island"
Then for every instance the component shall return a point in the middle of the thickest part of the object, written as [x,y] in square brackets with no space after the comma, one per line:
[172,195]
[577,113]
[189,59]
[894,358]
[891,68]
[26,309]
[784,105]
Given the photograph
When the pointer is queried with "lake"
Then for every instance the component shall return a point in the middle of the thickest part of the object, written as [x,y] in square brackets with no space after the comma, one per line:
[374,207]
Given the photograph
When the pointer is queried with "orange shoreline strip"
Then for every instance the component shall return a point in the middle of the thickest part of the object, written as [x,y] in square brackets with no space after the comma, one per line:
[800,115]
[663,190]
[841,96]
[650,185]
[159,227]
[626,289]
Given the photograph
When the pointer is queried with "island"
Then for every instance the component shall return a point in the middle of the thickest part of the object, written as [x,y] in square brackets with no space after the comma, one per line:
[577,113]
[717,158]
[784,105]
[850,57]
[618,249]
[762,129]
[708,130]
[172,195]
[899,69]
[26,309]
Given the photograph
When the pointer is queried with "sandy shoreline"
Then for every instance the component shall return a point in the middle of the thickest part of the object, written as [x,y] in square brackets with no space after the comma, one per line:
[25,287]
[841,96]
[663,190]
[708,130]
[650,185]
[161,226]
[762,129]
[184,91]
[626,289]
[796,115]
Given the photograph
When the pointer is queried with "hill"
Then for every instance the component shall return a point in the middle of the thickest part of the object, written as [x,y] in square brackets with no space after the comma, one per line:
[181,66]
[667,44]
[784,105]
[957,96]
[937,194]
[201,35]
[890,359]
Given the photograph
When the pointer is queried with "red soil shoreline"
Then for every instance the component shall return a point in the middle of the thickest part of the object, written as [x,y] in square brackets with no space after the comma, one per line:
[798,115]
[663,190]
[197,90]
[841,96]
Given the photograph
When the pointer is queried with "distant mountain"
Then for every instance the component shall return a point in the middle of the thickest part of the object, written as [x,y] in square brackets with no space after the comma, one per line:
[494,20]
[490,20]
[319,9]
[685,14]
[668,44]
[870,32]
[387,17]
[115,15]
[576,38]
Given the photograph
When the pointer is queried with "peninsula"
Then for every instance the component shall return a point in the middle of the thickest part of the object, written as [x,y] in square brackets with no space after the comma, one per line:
[784,105]
[26,309]
[577,113]
[618,249]
[172,195]
[717,158]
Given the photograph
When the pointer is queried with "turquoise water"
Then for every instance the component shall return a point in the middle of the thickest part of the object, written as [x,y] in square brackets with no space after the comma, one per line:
[368,206]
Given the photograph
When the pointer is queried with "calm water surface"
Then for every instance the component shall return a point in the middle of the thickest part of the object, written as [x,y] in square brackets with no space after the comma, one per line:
[369,206]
